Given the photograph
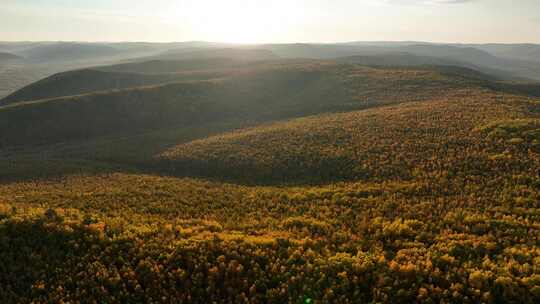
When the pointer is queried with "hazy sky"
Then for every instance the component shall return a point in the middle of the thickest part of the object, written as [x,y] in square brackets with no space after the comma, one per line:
[253,21]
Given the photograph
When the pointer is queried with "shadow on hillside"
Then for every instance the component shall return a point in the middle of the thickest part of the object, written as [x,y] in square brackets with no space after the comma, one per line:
[31,169]
[138,154]
[328,172]
[25,169]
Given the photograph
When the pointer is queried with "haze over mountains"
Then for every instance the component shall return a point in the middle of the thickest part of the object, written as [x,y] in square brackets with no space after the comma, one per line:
[506,61]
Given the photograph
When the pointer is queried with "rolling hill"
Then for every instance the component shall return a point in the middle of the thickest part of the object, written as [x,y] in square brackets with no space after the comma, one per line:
[172,66]
[261,94]
[8,56]
[64,51]
[404,59]
[464,55]
[275,181]
[85,81]
[239,54]
[43,59]
[130,74]
[527,52]
[81,82]
[349,146]
[399,59]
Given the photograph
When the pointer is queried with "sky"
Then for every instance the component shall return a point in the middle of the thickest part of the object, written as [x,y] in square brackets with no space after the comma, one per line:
[271,21]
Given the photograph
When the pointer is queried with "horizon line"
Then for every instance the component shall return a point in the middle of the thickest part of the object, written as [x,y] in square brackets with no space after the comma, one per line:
[262,43]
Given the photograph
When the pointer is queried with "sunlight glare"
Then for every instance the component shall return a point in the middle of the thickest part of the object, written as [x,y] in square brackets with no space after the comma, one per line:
[238,21]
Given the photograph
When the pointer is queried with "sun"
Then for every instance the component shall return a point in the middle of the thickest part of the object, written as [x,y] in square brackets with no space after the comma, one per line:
[237,21]
[238,28]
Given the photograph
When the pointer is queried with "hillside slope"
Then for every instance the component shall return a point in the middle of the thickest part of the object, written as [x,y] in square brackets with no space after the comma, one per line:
[172,66]
[250,95]
[80,82]
[398,59]
[134,74]
[467,56]
[527,52]
[436,201]
[90,81]
[397,143]
[239,54]
[8,56]
[64,51]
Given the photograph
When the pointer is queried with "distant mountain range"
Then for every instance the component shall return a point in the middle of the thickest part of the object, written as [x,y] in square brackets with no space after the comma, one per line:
[512,60]
[27,62]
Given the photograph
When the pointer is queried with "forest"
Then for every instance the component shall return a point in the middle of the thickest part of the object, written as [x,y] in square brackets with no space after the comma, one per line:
[270,181]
